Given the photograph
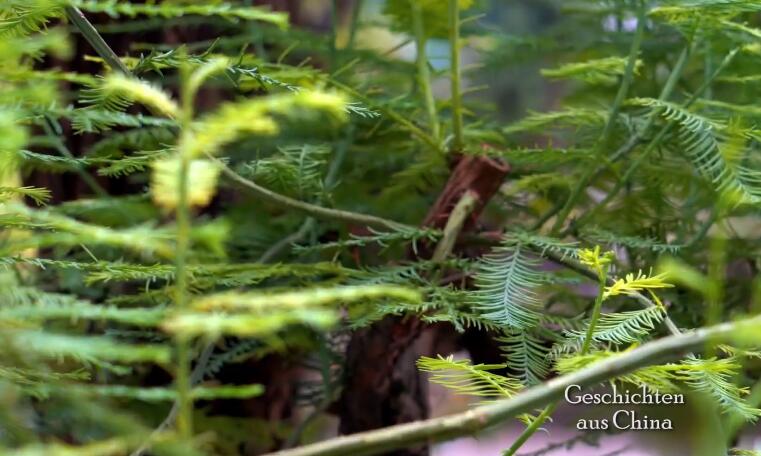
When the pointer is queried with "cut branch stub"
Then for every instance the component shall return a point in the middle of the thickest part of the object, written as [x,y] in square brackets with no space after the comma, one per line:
[382,386]
[478,174]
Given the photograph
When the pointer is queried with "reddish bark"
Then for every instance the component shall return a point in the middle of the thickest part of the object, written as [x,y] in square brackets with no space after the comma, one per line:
[482,175]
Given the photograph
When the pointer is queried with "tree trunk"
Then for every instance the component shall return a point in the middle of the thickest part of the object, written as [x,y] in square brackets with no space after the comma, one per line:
[382,386]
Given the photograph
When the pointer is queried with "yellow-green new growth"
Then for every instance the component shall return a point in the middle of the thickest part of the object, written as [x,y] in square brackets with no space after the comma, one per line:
[257,314]
[472,379]
[632,284]
[299,299]
[596,260]
[165,181]
[475,380]
[256,116]
[118,85]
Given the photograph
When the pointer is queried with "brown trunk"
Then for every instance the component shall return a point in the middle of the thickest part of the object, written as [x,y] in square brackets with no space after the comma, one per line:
[383,386]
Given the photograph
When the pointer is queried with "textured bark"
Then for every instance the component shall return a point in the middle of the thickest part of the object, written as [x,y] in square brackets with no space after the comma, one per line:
[383,387]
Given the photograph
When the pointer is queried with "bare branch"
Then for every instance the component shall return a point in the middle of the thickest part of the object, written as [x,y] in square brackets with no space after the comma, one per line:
[476,419]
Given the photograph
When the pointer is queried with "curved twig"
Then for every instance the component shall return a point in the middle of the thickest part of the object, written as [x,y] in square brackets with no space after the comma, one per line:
[308,208]
[476,419]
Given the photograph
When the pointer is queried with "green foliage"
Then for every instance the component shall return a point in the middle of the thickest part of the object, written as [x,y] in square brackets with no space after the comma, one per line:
[228,11]
[22,17]
[256,116]
[295,171]
[741,452]
[117,92]
[570,118]
[385,239]
[624,327]
[506,281]
[600,71]
[601,236]
[471,380]
[710,376]
[166,394]
[466,378]
[716,157]
[192,209]
[39,195]
[434,16]
[526,354]
[714,377]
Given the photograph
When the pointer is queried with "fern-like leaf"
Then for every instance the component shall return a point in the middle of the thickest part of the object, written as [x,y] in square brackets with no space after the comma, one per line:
[38,195]
[600,236]
[526,354]
[569,118]
[702,141]
[24,17]
[623,327]
[469,379]
[116,92]
[506,281]
[598,71]
[715,377]
[116,8]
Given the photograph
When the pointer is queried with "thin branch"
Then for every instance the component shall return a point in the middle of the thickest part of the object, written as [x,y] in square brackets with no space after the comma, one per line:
[423,71]
[184,221]
[655,141]
[479,418]
[602,276]
[532,428]
[454,225]
[580,269]
[628,77]
[355,13]
[195,378]
[703,230]
[307,208]
[96,41]
[633,142]
[416,131]
[329,396]
[455,70]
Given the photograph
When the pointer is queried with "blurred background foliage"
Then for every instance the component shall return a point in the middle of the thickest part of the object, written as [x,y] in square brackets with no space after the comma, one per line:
[247,214]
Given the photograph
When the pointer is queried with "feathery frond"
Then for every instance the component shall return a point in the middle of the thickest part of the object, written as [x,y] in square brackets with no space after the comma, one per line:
[526,354]
[623,327]
[116,8]
[598,235]
[568,118]
[507,280]
[24,17]
[116,92]
[631,284]
[39,195]
[256,116]
[470,379]
[700,139]
[714,377]
[597,71]
[709,376]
